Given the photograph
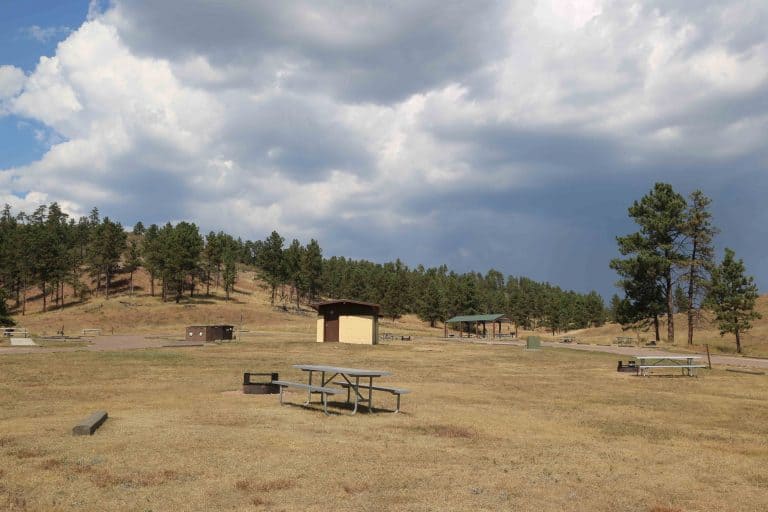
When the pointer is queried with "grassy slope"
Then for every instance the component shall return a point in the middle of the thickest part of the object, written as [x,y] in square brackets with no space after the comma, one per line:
[754,342]
[250,307]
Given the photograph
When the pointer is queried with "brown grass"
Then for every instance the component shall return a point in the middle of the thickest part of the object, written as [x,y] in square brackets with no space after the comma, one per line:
[706,332]
[485,428]
[280,484]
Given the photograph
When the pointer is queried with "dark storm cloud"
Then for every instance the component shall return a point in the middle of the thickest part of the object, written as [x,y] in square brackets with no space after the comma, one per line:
[358,51]
[304,138]
[476,134]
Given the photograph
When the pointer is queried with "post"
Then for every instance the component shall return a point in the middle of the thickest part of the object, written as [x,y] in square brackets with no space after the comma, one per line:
[709,359]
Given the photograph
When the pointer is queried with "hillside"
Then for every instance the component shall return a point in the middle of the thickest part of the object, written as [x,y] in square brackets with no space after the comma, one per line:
[249,307]
[754,342]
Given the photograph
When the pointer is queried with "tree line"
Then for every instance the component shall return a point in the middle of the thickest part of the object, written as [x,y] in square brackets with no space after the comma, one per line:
[49,250]
[669,266]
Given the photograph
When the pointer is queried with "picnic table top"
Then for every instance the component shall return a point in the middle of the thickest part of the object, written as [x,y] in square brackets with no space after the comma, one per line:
[355,372]
[671,358]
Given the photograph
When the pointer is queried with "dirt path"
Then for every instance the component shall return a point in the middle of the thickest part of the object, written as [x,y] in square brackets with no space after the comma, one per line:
[98,344]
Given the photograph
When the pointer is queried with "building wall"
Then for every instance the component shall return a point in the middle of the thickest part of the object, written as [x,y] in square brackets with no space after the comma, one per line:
[357,329]
[320,328]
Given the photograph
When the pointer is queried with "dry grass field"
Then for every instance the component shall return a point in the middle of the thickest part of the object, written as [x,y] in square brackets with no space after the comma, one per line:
[485,428]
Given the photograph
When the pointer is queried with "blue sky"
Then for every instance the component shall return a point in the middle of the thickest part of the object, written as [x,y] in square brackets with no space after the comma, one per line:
[487,134]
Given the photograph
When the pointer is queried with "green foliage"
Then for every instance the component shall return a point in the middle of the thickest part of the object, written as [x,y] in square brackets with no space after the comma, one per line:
[699,233]
[653,253]
[681,300]
[180,246]
[732,297]
[46,248]
[5,317]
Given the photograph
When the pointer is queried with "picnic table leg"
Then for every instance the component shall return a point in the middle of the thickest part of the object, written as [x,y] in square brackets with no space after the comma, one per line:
[309,391]
[281,394]
[325,403]
[370,394]
[357,393]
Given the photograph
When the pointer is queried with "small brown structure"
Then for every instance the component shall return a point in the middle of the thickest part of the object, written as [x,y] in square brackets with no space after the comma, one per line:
[347,321]
[260,388]
[209,332]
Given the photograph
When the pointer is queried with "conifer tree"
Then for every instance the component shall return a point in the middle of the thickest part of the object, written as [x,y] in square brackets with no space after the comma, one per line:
[312,269]
[732,297]
[270,261]
[699,230]
[656,250]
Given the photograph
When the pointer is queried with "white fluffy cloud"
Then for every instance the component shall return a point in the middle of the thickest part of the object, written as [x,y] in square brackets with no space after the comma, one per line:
[337,120]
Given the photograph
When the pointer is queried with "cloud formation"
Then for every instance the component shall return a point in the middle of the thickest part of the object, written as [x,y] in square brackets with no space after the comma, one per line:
[477,134]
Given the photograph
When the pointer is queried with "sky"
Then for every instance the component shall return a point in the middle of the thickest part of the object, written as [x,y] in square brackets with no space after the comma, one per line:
[487,134]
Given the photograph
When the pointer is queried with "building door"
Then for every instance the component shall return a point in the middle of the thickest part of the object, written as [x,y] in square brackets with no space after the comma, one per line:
[331,331]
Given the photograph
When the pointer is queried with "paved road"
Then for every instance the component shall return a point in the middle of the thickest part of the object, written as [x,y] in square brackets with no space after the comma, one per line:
[125,342]
[748,362]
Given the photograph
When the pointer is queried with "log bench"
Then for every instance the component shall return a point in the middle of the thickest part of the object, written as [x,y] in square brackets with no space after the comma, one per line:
[88,426]
[324,391]
[395,391]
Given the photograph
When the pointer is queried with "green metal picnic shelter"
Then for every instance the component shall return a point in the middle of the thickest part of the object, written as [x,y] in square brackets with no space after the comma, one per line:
[473,322]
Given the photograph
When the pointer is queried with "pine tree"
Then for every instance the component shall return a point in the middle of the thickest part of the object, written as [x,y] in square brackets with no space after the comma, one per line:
[108,242]
[5,317]
[681,300]
[270,261]
[312,269]
[656,250]
[132,261]
[700,232]
[732,297]
[152,256]
[230,271]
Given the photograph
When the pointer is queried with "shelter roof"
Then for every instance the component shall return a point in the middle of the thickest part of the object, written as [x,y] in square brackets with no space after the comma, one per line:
[317,305]
[477,318]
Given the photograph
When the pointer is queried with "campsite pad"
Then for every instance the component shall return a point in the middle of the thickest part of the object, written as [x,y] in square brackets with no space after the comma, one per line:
[23,342]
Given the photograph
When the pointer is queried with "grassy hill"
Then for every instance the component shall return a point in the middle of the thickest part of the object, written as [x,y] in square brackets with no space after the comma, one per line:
[140,313]
[249,307]
[754,342]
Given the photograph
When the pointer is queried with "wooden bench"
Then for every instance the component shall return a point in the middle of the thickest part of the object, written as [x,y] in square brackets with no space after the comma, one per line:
[395,391]
[324,391]
[643,369]
[625,341]
[95,332]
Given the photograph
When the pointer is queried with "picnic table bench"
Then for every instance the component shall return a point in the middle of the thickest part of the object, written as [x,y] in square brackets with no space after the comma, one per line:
[624,341]
[684,363]
[395,391]
[568,339]
[323,390]
[96,332]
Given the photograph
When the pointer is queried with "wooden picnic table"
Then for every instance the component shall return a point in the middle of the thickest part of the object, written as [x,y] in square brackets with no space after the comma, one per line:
[684,363]
[351,377]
